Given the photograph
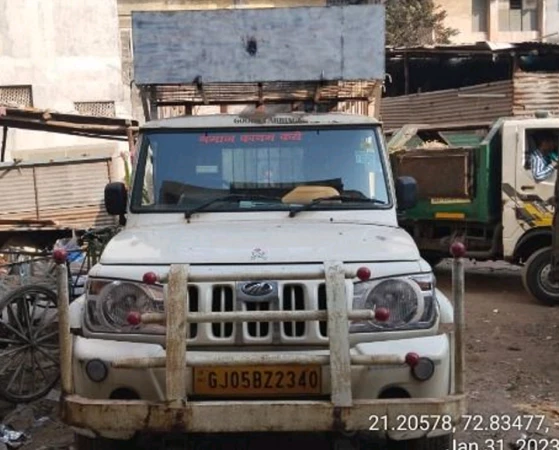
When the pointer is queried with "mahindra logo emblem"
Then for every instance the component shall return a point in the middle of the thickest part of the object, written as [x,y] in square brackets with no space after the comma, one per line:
[257,288]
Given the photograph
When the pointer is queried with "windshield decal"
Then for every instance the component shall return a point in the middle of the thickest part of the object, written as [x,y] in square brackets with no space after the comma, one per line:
[217,139]
[246,138]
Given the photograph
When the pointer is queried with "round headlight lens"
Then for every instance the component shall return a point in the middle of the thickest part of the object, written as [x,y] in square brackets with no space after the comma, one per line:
[401,297]
[122,298]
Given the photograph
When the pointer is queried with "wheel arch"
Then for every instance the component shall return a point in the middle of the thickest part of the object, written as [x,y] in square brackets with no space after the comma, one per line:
[530,242]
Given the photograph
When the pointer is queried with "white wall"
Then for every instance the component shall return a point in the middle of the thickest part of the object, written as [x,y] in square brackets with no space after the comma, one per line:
[552,20]
[68,51]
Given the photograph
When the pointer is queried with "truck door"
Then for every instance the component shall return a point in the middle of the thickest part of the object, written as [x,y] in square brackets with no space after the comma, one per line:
[530,195]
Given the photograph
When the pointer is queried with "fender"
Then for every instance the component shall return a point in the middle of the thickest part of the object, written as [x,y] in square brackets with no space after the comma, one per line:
[526,245]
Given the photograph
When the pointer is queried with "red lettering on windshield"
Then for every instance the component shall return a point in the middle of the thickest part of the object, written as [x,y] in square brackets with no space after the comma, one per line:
[292,136]
[217,139]
[258,137]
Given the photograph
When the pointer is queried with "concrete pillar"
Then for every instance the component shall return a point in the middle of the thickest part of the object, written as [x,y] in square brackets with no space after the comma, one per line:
[493,21]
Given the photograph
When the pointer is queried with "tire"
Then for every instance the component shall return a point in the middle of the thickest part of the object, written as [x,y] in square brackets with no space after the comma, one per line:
[434,443]
[535,278]
[86,443]
[28,343]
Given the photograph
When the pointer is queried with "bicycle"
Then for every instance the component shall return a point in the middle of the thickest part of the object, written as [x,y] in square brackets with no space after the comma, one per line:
[29,360]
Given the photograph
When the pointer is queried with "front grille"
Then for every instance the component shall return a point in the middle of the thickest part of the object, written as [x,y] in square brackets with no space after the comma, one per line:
[290,296]
[322,325]
[222,301]
[258,329]
[293,300]
[193,305]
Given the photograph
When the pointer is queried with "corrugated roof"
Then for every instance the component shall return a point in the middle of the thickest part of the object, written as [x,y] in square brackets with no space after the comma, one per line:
[484,47]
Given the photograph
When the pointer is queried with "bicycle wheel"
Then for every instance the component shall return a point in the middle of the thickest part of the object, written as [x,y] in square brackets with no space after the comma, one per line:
[29,354]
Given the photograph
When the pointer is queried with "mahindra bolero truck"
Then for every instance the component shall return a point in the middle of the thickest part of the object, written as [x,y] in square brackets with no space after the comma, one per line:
[261,284]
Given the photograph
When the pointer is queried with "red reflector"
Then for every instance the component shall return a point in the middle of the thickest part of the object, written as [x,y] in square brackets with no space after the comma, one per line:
[134,318]
[412,359]
[382,314]
[149,278]
[364,273]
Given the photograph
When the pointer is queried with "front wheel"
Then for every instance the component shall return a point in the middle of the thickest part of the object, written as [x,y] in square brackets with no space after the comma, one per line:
[435,443]
[535,277]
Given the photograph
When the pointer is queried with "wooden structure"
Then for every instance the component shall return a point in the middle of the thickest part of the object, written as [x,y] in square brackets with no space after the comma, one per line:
[328,58]
[470,83]
[56,196]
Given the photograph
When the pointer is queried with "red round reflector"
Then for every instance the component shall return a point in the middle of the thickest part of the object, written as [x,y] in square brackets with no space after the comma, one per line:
[364,273]
[150,278]
[457,249]
[382,314]
[412,359]
[59,255]
[134,318]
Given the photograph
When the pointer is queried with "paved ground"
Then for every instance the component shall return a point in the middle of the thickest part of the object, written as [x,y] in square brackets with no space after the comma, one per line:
[512,345]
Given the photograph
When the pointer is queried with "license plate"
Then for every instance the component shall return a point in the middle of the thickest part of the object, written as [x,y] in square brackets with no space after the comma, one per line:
[247,381]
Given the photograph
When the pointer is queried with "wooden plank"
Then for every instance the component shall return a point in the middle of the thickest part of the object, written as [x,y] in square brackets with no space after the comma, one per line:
[338,330]
[177,298]
[259,45]
[65,338]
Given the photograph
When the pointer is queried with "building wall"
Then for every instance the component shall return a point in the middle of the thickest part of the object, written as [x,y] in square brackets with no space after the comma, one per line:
[67,52]
[552,21]
[494,26]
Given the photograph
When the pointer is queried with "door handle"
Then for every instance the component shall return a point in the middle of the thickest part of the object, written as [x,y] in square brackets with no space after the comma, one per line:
[527,188]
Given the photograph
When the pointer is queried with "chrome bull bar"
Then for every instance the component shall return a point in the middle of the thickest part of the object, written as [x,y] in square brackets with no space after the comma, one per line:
[339,360]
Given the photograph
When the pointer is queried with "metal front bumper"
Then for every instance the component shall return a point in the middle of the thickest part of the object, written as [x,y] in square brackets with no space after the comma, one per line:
[124,418]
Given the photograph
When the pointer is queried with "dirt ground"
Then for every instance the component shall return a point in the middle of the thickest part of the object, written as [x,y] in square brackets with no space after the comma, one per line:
[512,348]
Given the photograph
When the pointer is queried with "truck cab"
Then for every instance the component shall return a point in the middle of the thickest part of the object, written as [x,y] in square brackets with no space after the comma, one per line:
[261,283]
[477,183]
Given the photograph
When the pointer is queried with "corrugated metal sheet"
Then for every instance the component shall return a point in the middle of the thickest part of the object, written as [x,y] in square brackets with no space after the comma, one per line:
[536,91]
[17,193]
[473,103]
[71,185]
[69,193]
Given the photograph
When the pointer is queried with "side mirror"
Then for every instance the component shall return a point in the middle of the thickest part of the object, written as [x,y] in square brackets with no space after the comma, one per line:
[406,193]
[116,198]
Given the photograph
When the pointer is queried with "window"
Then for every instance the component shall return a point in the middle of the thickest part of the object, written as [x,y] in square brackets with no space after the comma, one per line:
[543,145]
[518,15]
[255,171]
[98,109]
[479,15]
[20,96]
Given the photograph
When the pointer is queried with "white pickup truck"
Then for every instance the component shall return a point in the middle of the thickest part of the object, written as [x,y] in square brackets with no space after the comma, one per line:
[261,283]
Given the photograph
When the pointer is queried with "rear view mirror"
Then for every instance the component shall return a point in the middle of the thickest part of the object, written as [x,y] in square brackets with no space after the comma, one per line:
[116,198]
[406,193]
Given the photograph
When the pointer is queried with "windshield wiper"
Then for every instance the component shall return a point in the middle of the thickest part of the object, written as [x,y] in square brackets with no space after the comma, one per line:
[294,211]
[227,198]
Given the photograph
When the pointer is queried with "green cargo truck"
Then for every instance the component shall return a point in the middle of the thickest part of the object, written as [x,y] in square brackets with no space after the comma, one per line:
[475,184]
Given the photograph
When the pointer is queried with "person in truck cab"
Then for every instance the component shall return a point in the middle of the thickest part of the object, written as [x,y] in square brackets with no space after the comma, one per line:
[544,157]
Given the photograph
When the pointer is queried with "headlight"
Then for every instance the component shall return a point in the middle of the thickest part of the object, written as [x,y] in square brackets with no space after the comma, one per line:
[110,302]
[409,300]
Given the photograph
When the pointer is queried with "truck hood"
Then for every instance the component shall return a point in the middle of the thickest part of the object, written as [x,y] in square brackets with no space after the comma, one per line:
[242,243]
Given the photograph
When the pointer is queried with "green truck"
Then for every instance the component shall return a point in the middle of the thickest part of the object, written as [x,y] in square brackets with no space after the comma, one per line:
[475,184]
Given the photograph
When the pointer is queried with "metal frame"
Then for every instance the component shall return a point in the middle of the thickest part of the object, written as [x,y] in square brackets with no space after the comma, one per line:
[178,413]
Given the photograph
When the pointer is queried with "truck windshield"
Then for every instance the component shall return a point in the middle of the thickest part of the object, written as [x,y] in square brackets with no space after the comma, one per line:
[227,171]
